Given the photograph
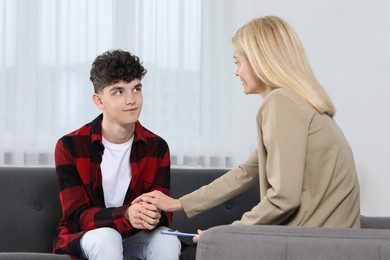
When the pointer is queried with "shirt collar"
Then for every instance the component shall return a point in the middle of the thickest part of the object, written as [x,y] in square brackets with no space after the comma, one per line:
[96,130]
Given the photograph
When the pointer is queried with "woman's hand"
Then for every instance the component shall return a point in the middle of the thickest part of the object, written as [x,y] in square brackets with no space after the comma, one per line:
[160,200]
[196,238]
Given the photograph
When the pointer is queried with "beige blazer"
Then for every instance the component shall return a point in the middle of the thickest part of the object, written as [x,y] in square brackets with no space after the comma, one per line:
[303,164]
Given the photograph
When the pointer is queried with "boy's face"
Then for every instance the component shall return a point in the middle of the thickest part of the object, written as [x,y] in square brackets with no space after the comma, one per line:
[121,102]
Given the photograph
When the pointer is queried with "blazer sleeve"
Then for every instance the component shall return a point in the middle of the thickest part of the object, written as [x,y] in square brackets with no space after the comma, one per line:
[222,189]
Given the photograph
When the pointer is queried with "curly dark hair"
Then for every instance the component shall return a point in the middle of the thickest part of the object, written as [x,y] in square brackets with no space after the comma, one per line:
[114,66]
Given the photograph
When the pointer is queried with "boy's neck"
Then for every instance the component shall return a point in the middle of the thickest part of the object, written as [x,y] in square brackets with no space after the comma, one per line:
[117,134]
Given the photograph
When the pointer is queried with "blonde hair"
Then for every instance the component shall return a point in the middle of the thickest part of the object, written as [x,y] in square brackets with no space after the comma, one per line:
[278,58]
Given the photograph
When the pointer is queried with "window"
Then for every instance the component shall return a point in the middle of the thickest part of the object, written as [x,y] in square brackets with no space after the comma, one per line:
[46,53]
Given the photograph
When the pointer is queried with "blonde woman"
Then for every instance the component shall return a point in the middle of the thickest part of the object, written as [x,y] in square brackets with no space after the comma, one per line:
[303,162]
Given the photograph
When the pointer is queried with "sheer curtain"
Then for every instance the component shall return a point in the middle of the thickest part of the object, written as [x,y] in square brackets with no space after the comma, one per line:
[46,50]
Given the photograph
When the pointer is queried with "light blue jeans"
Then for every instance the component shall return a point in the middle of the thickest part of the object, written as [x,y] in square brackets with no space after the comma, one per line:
[106,243]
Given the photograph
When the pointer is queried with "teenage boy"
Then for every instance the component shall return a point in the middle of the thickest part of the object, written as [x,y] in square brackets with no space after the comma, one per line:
[106,164]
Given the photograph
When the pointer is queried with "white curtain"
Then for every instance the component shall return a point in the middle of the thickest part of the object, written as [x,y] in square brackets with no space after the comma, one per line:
[46,51]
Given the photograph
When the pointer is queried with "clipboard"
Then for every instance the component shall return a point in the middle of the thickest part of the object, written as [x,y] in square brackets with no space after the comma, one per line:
[177,233]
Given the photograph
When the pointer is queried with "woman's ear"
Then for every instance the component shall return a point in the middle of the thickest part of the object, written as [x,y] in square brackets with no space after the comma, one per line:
[97,100]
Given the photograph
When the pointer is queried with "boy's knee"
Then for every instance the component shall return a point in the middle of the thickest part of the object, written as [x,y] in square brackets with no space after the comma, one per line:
[105,235]
[101,241]
[169,246]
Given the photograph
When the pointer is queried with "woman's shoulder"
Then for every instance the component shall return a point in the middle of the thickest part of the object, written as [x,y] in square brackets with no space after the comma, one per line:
[282,95]
[286,101]
[282,92]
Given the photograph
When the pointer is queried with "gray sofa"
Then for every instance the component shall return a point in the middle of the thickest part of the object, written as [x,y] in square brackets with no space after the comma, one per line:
[30,211]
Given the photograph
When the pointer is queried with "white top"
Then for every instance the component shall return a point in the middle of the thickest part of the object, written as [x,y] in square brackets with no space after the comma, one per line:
[116,172]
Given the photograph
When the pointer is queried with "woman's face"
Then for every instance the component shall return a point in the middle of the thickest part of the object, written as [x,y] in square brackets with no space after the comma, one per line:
[251,83]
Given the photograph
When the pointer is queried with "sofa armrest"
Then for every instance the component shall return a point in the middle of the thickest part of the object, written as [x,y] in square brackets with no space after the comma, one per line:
[293,243]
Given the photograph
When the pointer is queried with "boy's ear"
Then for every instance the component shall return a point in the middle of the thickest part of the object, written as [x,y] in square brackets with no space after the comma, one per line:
[97,100]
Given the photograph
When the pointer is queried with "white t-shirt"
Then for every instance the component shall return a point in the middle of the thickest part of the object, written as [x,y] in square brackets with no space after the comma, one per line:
[116,172]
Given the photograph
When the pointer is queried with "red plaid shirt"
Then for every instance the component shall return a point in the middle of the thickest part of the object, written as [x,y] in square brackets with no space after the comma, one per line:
[77,158]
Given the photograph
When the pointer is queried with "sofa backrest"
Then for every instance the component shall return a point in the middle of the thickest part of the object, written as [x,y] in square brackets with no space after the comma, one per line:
[30,209]
[375,222]
[184,181]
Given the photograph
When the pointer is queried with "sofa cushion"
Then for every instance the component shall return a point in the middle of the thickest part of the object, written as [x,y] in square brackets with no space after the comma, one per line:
[32,256]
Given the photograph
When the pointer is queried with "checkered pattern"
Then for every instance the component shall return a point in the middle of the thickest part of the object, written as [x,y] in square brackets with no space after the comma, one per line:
[77,157]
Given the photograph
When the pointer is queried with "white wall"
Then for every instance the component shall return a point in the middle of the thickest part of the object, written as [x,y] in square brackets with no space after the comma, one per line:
[348,44]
